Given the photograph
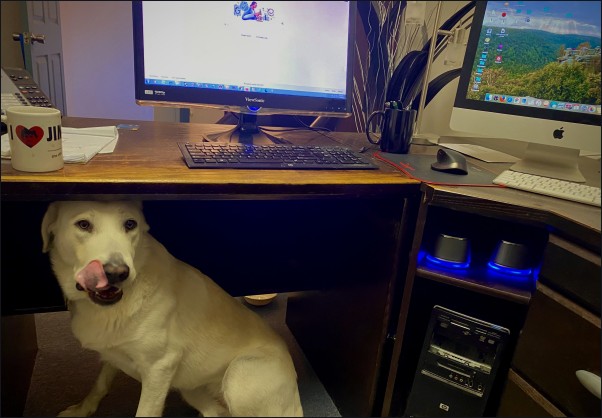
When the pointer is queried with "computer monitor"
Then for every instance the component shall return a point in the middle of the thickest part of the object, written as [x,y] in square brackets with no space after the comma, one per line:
[532,73]
[252,58]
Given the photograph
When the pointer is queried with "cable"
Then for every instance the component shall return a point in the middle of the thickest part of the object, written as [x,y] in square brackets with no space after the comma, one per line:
[435,86]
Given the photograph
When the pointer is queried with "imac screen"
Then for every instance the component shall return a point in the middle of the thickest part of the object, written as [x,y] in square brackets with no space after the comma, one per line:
[532,72]
[257,57]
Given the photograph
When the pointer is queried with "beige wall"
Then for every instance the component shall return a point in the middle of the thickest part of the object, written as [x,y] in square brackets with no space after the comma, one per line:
[98,60]
[98,56]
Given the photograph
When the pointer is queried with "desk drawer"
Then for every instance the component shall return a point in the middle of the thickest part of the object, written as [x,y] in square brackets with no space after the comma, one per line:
[573,272]
[559,338]
[521,400]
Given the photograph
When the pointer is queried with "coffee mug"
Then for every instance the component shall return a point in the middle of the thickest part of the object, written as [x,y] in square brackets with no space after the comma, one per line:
[35,138]
[396,127]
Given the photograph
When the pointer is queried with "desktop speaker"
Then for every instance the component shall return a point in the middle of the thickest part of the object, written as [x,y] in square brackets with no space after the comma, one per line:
[511,255]
[450,251]
[451,248]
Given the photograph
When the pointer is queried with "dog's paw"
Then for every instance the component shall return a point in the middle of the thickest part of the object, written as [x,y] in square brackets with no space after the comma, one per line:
[79,410]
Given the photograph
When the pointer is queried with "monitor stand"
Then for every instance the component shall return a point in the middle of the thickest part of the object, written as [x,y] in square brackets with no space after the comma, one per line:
[246,132]
[548,161]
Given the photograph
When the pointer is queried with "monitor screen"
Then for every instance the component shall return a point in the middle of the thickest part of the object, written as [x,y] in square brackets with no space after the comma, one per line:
[257,57]
[532,73]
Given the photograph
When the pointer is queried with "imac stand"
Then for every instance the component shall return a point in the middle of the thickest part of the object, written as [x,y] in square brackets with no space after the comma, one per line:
[548,161]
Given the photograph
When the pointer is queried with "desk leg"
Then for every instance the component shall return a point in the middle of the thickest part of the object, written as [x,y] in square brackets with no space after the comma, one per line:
[341,334]
[19,349]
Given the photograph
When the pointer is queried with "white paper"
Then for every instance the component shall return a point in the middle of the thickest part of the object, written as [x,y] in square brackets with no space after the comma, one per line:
[80,145]
[482,153]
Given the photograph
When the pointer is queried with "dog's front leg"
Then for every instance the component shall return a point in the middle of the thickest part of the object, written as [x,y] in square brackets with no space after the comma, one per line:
[155,385]
[90,403]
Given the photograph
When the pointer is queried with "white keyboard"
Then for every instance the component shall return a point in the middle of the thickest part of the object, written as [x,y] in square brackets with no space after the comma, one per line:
[561,189]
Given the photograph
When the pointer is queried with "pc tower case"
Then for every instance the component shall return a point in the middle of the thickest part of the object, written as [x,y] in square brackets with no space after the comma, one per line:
[457,365]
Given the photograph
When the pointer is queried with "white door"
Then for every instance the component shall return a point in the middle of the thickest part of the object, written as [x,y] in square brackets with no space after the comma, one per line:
[46,59]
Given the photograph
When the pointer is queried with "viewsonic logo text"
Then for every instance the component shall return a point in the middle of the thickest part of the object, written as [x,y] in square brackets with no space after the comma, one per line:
[254,100]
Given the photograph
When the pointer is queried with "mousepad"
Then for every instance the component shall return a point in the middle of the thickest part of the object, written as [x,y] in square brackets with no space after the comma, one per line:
[419,168]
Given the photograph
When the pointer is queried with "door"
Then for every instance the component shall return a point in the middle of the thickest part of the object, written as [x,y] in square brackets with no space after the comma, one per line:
[45,60]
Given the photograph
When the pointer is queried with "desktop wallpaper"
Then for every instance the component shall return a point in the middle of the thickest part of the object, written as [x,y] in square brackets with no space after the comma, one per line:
[541,54]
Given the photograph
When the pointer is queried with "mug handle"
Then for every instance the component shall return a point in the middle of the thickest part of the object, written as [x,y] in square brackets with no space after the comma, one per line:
[382,115]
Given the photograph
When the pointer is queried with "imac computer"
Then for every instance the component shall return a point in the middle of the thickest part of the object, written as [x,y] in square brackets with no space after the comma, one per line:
[248,57]
[532,73]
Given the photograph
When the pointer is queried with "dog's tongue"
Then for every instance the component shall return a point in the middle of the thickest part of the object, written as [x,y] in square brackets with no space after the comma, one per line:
[92,276]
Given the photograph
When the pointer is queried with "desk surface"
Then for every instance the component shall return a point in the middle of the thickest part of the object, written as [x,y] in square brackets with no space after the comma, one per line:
[147,163]
[576,221]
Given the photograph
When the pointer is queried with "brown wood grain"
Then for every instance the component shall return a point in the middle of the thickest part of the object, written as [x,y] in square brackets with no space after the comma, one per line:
[150,156]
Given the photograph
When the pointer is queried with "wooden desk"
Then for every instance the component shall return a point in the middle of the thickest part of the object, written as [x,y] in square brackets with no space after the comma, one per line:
[346,243]
[338,233]
[537,377]
[147,163]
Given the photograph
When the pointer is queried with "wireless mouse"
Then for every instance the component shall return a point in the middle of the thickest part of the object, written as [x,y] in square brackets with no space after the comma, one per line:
[449,161]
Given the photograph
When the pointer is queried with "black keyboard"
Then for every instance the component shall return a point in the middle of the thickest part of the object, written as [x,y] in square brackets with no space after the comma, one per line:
[294,157]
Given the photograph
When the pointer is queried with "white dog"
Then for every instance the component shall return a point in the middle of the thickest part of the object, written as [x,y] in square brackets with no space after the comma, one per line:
[160,320]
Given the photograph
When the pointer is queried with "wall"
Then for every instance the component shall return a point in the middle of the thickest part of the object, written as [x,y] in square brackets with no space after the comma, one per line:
[437,114]
[98,60]
[12,21]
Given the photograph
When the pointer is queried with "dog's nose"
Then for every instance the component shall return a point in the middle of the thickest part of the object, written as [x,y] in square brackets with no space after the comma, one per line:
[116,272]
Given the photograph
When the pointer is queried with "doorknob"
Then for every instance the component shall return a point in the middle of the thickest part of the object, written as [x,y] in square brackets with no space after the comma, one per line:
[29,38]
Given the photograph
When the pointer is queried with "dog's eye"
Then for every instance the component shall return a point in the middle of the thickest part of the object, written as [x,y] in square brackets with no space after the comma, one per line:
[84,225]
[130,224]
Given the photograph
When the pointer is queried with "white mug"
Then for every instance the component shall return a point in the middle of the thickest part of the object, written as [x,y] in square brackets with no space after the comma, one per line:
[35,138]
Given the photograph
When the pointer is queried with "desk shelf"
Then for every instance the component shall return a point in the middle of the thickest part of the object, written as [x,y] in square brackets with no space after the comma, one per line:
[519,293]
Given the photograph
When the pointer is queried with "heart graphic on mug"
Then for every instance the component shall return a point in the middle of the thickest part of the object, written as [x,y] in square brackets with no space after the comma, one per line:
[31,136]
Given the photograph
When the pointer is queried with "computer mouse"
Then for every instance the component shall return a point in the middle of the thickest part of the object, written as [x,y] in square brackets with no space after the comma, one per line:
[450,161]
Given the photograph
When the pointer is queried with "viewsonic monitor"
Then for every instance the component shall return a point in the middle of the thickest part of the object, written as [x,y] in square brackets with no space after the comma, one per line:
[532,73]
[252,58]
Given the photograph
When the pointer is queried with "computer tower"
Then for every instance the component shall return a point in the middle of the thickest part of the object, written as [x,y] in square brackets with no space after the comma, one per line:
[457,365]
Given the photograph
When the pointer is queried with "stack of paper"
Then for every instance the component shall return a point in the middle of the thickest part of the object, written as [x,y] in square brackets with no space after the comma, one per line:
[80,144]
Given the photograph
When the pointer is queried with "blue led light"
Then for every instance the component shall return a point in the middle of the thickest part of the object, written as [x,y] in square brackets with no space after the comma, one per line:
[509,270]
[448,264]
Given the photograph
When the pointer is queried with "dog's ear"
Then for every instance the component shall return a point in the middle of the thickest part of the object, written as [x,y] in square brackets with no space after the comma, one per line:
[145,227]
[48,226]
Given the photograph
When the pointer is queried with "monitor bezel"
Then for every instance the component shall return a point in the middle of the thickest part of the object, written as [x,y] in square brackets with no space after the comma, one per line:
[235,101]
